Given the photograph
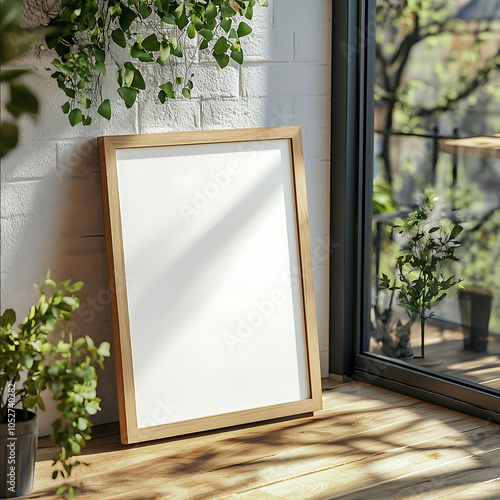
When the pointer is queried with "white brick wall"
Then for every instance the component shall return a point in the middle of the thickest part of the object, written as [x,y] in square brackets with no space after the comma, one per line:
[51,209]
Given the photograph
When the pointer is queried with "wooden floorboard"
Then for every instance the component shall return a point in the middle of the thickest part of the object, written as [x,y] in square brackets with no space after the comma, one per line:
[367,443]
[445,353]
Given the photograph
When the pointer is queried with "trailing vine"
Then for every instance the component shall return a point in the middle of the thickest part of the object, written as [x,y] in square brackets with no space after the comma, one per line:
[90,36]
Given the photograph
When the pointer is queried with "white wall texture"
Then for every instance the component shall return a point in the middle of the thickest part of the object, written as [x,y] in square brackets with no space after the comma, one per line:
[51,213]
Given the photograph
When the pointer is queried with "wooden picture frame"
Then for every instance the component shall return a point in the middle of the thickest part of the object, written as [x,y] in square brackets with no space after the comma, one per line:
[211,279]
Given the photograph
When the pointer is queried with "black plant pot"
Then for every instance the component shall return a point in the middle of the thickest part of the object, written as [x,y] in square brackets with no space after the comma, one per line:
[475,310]
[18,442]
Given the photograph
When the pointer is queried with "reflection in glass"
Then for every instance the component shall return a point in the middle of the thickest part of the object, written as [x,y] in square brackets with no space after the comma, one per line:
[437,134]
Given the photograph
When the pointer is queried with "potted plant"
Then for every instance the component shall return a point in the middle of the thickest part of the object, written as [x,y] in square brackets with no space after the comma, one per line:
[419,282]
[478,267]
[33,359]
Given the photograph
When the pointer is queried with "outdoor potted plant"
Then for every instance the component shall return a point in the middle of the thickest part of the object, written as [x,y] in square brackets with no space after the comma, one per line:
[419,282]
[33,359]
[478,267]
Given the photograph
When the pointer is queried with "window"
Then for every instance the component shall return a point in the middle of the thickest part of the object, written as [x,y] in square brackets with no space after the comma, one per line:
[415,111]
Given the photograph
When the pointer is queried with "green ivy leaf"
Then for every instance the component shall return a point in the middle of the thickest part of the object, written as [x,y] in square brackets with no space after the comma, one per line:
[8,137]
[206,34]
[210,24]
[169,19]
[164,50]
[244,29]
[168,88]
[186,92]
[119,38]
[21,100]
[86,102]
[203,45]
[210,11]
[179,11]
[151,43]
[144,10]
[126,18]
[65,107]
[237,55]
[182,22]
[227,12]
[176,50]
[75,117]
[191,31]
[69,92]
[140,54]
[100,67]
[221,46]
[222,60]
[162,96]
[128,74]
[86,120]
[232,33]
[226,24]
[133,77]
[138,81]
[99,54]
[129,95]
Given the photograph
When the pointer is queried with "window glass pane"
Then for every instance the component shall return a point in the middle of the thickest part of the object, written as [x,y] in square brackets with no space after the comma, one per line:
[437,137]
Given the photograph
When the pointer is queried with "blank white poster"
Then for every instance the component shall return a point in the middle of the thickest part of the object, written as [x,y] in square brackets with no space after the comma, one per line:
[212,278]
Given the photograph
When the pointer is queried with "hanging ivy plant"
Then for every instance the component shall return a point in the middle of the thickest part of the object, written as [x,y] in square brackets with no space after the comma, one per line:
[90,34]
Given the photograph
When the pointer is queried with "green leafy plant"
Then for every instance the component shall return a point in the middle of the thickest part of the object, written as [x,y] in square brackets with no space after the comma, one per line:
[419,283]
[90,34]
[33,359]
[15,41]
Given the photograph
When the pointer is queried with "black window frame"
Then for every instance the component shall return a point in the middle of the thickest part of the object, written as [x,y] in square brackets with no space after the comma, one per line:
[353,55]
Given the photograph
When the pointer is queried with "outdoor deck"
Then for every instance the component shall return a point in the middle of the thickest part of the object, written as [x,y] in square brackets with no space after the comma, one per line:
[444,353]
[367,443]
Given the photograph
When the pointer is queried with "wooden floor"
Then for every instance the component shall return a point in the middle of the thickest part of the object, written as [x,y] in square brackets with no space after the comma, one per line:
[366,444]
[445,353]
